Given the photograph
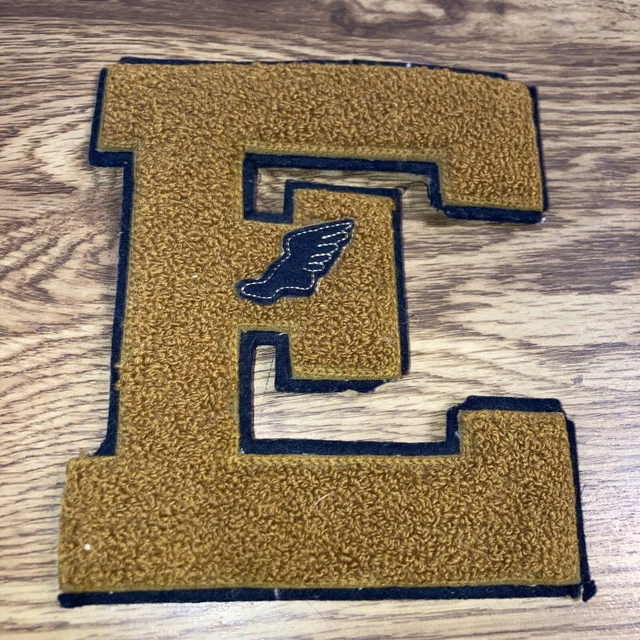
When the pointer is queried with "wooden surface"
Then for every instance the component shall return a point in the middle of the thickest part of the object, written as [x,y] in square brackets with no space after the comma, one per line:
[550,310]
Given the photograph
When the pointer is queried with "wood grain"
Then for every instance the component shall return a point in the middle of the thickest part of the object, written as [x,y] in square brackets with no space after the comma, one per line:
[549,310]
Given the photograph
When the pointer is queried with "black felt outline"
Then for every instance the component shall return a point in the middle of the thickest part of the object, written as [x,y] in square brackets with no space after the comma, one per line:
[124,159]
[355,61]
[586,588]
[253,162]
[247,594]
[108,447]
[284,381]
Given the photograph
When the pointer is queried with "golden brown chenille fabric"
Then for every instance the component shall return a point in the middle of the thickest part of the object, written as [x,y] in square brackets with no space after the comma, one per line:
[179,505]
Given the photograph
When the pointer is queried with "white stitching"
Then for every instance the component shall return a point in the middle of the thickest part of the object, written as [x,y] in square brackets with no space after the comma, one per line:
[287,253]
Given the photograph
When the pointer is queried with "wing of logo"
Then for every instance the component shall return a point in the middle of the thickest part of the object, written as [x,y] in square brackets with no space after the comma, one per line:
[308,254]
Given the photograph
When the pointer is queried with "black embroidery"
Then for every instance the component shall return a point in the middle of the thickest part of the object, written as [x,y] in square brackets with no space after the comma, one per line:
[308,254]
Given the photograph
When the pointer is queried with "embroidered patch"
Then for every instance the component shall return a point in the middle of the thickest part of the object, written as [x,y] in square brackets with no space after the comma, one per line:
[182,502]
[307,255]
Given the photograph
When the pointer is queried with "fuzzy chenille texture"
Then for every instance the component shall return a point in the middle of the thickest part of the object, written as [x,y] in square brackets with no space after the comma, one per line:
[180,506]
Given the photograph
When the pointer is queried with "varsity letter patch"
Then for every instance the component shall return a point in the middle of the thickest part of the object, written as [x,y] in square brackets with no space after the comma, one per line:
[183,501]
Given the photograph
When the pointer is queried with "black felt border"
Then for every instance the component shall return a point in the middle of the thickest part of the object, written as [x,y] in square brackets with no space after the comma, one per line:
[72,600]
[253,162]
[126,160]
[380,63]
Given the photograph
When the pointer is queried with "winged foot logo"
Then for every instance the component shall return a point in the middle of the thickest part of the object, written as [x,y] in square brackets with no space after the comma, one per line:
[308,254]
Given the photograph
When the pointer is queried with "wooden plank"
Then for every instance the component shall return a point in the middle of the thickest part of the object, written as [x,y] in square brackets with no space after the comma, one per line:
[547,311]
